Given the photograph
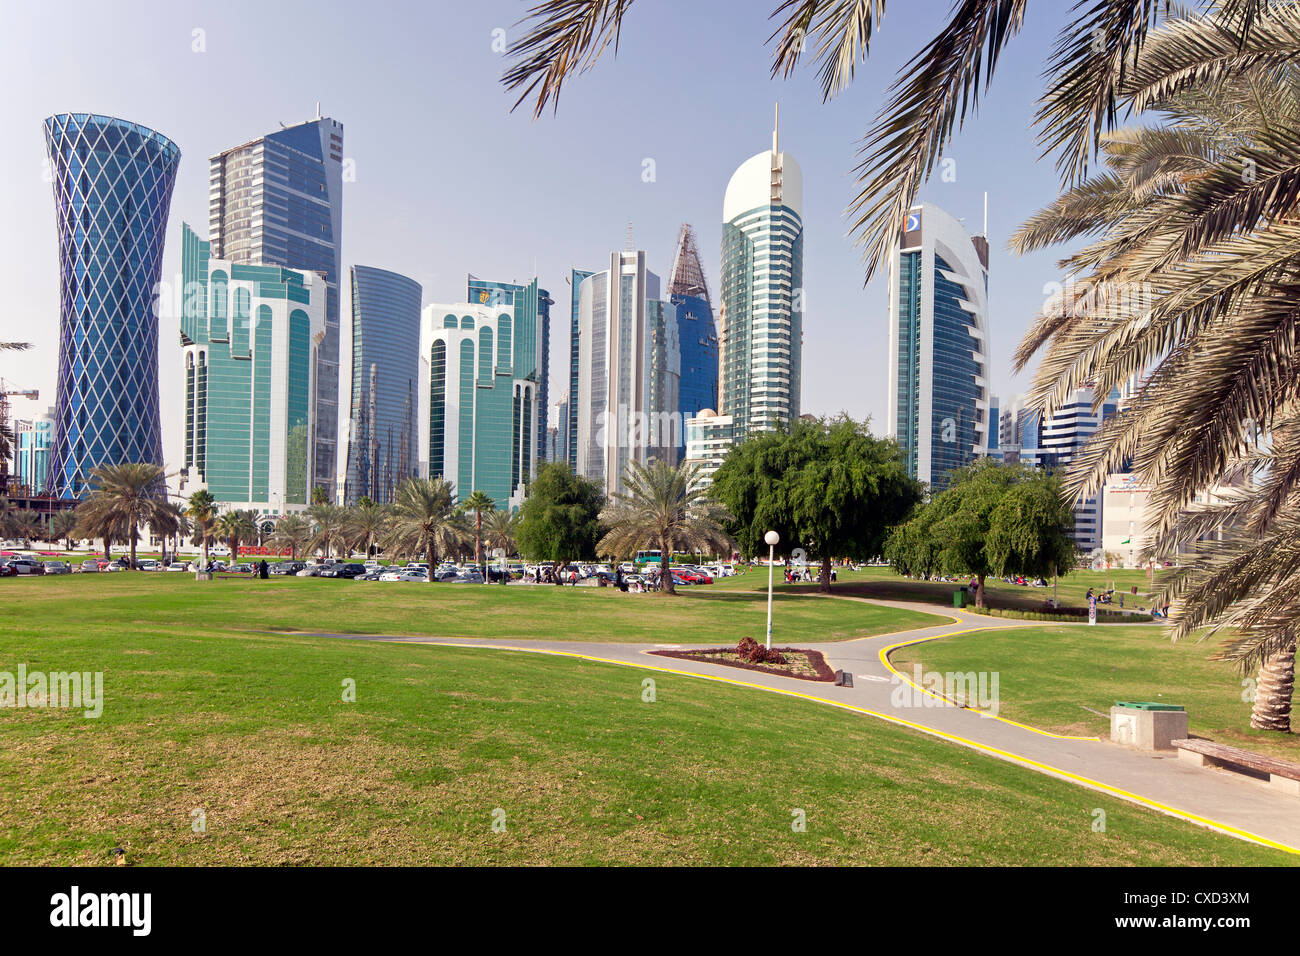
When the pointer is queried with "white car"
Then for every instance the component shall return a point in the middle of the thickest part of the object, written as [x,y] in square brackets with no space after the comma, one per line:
[311,571]
[413,574]
[178,566]
[393,574]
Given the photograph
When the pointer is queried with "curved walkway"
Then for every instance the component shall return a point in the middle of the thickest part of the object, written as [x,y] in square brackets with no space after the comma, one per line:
[1219,800]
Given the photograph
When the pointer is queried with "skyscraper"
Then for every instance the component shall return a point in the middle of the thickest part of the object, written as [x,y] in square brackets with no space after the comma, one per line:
[938,345]
[112,191]
[478,409]
[762,291]
[250,337]
[532,345]
[278,201]
[697,335]
[33,439]
[382,444]
[618,313]
[571,422]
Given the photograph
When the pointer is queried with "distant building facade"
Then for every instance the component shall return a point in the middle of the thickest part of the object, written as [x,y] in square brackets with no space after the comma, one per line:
[382,443]
[250,341]
[113,184]
[478,408]
[938,345]
[278,201]
[762,292]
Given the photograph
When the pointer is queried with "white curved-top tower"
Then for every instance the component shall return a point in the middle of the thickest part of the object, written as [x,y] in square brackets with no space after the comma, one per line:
[762,291]
[939,345]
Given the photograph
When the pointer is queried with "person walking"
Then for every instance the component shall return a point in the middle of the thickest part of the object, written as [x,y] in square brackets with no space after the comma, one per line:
[262,569]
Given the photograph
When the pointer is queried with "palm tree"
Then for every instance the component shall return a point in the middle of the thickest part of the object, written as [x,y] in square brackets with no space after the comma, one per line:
[425,520]
[499,530]
[1190,282]
[202,512]
[1087,73]
[663,507]
[234,528]
[364,524]
[62,526]
[330,525]
[293,532]
[479,502]
[125,497]
[28,525]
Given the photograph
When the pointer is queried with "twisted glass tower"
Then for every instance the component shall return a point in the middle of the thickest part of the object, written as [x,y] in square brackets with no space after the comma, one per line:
[112,189]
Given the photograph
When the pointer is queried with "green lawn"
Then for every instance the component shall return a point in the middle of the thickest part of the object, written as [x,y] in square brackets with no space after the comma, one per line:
[158,601]
[252,730]
[884,583]
[1048,676]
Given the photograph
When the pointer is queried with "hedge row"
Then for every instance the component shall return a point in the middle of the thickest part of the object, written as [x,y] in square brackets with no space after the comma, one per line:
[1067,615]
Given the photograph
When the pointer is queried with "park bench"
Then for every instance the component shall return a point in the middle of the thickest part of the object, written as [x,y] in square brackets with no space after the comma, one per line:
[1281,774]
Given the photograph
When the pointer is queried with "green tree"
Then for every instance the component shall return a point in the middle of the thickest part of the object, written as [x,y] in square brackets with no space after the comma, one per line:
[499,530]
[425,521]
[319,496]
[62,525]
[480,504]
[123,498]
[329,526]
[560,517]
[992,519]
[293,532]
[235,528]
[826,486]
[201,509]
[665,507]
[28,525]
[365,523]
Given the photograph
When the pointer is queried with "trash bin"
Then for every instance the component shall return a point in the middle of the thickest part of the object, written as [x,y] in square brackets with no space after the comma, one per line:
[959,598]
[1147,725]
[1135,589]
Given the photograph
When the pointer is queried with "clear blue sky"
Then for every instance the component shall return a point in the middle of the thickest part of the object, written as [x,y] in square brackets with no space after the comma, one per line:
[449,181]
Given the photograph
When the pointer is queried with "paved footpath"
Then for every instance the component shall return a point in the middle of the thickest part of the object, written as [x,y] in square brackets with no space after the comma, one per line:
[1218,799]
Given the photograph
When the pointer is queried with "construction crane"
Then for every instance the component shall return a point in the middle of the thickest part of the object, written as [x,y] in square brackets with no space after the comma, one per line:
[6,393]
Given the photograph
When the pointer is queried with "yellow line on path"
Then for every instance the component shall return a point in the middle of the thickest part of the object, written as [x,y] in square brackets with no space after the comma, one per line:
[884,659]
[973,744]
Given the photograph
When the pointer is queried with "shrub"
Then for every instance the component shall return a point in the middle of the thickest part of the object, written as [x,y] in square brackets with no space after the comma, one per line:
[752,652]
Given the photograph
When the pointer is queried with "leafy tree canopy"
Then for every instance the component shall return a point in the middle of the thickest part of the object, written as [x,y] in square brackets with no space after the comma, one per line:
[559,520]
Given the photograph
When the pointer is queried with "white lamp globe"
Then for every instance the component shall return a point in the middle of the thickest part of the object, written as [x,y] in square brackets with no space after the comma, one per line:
[772,538]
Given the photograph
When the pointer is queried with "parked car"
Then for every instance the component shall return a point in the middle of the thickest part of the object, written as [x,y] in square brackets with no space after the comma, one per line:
[349,571]
[472,576]
[178,566]
[287,567]
[309,571]
[369,576]
[6,571]
[27,566]
[244,569]
[146,564]
[57,567]
[118,565]
[414,575]
[392,574]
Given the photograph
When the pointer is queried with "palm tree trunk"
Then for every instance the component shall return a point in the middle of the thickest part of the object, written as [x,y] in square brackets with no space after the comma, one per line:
[431,555]
[826,576]
[134,535]
[478,542]
[1272,710]
[665,568]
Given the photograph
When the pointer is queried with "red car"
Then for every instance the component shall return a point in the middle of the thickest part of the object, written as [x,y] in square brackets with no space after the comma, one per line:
[691,577]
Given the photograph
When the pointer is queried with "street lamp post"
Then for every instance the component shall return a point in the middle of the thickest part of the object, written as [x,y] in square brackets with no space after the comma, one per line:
[771,538]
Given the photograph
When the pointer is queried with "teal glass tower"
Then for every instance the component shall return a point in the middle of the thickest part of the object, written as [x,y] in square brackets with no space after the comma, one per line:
[250,337]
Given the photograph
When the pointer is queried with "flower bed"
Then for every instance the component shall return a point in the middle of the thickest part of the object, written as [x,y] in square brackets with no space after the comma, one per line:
[750,655]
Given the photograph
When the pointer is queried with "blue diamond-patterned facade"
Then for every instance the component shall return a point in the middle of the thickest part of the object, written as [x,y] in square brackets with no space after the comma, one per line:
[112,190]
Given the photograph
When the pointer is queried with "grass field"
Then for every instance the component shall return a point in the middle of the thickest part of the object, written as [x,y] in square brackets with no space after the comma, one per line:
[252,730]
[149,601]
[883,583]
[1049,675]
